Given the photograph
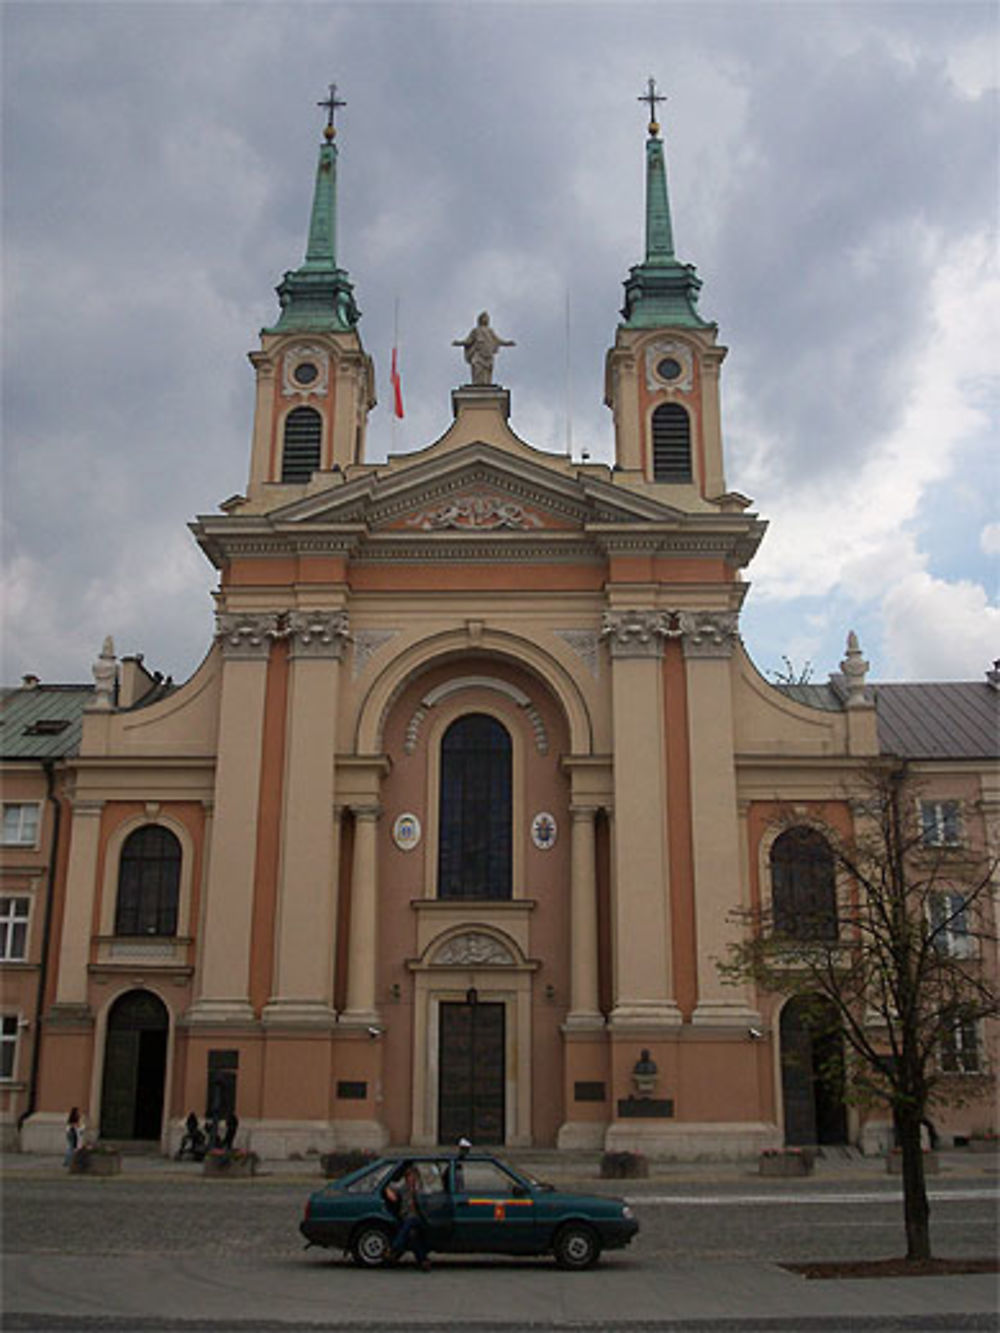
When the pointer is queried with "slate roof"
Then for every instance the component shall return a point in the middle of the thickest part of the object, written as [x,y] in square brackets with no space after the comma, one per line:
[30,718]
[948,720]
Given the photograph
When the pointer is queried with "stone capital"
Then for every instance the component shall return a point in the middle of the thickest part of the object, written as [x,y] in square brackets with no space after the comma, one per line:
[709,633]
[637,633]
[318,633]
[247,634]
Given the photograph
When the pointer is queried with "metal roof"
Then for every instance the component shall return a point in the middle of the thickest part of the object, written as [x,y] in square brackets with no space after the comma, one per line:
[948,720]
[30,717]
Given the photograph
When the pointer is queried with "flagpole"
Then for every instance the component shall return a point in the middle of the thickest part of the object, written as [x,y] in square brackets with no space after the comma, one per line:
[569,386]
[395,354]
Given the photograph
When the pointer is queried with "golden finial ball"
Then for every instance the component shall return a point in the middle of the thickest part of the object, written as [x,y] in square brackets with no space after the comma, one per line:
[329,133]
[654,127]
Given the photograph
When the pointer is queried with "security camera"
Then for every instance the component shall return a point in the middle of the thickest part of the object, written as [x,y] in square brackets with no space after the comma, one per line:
[755,1034]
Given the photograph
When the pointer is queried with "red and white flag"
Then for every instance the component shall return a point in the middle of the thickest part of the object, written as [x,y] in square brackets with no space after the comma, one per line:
[397,388]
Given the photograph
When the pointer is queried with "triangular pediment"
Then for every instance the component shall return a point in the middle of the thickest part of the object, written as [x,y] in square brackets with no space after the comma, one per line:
[477,489]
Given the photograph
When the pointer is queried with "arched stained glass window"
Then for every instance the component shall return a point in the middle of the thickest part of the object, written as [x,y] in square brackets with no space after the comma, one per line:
[300,456]
[671,443]
[149,875]
[474,845]
[803,885]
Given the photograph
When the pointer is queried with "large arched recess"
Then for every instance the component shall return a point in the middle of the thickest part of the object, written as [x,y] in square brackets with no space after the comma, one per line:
[419,657]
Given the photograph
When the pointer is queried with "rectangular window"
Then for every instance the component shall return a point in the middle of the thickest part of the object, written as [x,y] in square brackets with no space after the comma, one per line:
[20,823]
[939,823]
[960,1045]
[14,929]
[8,1045]
[950,924]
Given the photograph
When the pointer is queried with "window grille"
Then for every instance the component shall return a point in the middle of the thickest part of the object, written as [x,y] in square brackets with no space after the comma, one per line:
[300,456]
[671,443]
[148,883]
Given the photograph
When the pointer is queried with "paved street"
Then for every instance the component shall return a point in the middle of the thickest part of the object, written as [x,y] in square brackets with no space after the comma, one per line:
[161,1248]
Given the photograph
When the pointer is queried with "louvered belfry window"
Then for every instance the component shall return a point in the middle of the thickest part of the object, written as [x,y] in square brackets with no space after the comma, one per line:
[303,435]
[671,443]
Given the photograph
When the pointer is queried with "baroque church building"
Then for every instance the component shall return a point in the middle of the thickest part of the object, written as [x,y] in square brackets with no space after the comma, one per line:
[445,835]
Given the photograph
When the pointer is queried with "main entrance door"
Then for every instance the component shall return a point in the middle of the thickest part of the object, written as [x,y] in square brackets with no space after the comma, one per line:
[135,1059]
[471,1073]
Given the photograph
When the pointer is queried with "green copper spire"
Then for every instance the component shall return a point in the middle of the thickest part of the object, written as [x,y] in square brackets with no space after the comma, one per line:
[318,296]
[661,291]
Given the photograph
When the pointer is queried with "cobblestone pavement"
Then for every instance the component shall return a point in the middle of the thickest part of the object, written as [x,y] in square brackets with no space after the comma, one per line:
[161,1250]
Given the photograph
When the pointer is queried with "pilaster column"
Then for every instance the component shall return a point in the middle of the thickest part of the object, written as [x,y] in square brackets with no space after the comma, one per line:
[81,875]
[307,883]
[223,987]
[709,638]
[641,882]
[584,1011]
[361,937]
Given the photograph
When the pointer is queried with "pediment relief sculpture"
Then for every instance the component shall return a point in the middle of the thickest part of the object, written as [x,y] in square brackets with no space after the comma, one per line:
[473,949]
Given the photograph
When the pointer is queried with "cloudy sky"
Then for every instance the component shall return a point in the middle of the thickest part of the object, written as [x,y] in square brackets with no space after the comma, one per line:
[833,175]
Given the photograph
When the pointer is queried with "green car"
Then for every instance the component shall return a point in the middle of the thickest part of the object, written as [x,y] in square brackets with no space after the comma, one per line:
[471,1203]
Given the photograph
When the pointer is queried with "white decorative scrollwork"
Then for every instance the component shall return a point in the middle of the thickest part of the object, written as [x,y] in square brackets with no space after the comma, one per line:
[367,642]
[473,949]
[476,512]
[318,633]
[248,633]
[296,356]
[638,633]
[709,633]
[669,349]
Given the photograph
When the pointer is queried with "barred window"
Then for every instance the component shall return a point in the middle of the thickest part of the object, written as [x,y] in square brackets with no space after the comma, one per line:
[803,885]
[671,443]
[14,929]
[300,456]
[474,854]
[148,883]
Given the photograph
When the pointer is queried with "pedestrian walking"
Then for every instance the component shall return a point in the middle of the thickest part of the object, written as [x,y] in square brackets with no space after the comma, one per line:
[75,1126]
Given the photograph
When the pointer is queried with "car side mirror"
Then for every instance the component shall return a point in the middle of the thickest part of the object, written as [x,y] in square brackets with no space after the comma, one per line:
[519,1191]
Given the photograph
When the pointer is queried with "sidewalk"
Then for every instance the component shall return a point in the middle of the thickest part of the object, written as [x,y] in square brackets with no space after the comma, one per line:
[578,1170]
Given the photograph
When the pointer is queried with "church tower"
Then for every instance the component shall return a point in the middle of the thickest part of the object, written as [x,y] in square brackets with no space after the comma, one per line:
[315,382]
[662,375]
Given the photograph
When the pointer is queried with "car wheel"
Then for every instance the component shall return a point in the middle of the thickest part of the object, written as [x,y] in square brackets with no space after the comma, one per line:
[370,1245]
[576,1246]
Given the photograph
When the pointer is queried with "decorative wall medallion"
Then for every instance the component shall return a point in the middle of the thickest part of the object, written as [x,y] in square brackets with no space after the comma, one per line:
[477,513]
[543,831]
[306,369]
[406,832]
[669,365]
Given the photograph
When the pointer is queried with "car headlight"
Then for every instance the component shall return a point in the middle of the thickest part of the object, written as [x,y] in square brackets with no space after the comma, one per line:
[627,1211]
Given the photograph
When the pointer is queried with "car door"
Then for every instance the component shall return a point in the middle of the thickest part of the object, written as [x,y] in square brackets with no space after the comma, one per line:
[494,1211]
[436,1203]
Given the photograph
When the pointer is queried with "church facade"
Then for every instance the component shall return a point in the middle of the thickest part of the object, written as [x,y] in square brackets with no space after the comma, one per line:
[446,834]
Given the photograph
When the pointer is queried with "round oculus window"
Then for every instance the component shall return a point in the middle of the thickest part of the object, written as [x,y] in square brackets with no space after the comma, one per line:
[304,373]
[668,368]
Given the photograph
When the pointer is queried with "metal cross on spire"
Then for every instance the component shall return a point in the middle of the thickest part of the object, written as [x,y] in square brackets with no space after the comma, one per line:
[652,97]
[330,106]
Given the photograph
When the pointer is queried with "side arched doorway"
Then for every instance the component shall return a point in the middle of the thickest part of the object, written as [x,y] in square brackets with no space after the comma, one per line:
[812,1056]
[135,1064]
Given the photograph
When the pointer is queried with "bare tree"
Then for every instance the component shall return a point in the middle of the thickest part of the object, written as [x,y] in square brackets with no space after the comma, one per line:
[897,945]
